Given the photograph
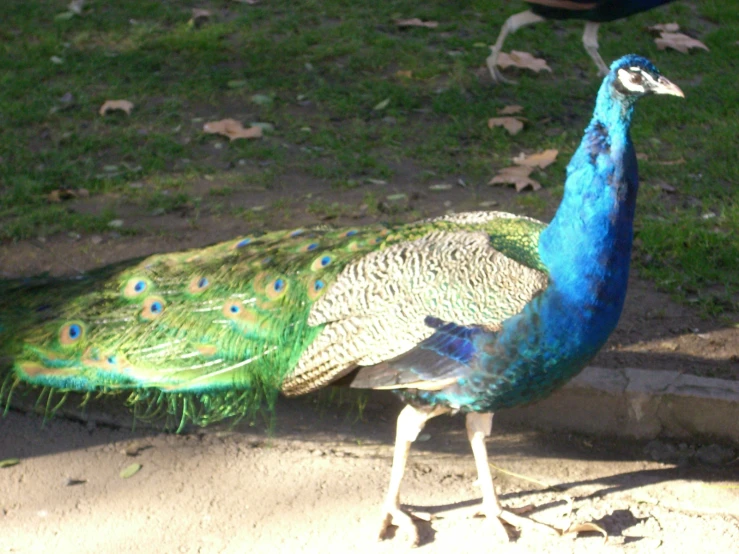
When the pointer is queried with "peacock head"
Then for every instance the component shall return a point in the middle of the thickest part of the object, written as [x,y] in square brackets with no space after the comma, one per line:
[633,76]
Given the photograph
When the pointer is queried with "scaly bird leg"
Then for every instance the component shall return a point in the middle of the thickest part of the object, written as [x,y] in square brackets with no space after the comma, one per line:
[590,42]
[479,426]
[511,25]
[410,423]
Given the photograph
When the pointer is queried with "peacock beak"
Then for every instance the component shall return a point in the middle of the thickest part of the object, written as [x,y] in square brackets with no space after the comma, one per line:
[665,86]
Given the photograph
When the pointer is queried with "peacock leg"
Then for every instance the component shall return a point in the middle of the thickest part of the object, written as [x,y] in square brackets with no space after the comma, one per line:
[410,423]
[512,24]
[590,42]
[479,426]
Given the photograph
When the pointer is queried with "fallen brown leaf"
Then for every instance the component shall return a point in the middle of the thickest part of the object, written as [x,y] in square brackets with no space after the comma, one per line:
[540,159]
[510,110]
[678,161]
[112,105]
[517,175]
[523,60]
[665,28]
[60,194]
[511,124]
[406,73]
[232,129]
[586,528]
[415,22]
[199,16]
[678,41]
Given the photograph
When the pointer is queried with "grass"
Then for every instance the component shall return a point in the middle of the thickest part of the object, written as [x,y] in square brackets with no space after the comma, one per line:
[324,74]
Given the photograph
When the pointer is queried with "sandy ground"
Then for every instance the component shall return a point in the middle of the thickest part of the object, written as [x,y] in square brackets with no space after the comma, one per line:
[315,482]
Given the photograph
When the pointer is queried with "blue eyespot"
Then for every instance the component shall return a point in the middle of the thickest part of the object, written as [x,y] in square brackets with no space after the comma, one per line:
[74,332]
[242,243]
[202,282]
[296,233]
[318,285]
[312,246]
[279,285]
[234,309]
[156,307]
[140,286]
[351,233]
[111,360]
[325,261]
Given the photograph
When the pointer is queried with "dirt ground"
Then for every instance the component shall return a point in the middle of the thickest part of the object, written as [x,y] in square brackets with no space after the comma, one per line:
[315,482]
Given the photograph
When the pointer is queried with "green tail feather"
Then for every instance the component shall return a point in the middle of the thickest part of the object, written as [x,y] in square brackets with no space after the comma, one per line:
[204,334]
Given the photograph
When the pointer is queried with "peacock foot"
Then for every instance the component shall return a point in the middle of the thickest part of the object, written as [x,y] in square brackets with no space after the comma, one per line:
[394,516]
[497,516]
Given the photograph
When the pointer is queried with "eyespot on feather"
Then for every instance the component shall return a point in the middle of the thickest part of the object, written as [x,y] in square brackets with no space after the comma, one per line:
[276,288]
[71,333]
[350,233]
[316,288]
[198,284]
[153,307]
[235,310]
[135,287]
[320,263]
[245,241]
[308,247]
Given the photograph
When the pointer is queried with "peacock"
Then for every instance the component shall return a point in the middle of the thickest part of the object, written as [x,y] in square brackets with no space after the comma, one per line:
[470,312]
[593,12]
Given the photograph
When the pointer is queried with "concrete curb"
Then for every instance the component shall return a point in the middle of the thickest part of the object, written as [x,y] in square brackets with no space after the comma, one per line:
[638,403]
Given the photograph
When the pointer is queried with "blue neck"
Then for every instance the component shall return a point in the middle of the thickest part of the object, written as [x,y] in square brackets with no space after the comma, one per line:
[587,246]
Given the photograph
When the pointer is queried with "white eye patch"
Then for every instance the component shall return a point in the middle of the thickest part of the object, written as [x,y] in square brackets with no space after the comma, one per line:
[636,80]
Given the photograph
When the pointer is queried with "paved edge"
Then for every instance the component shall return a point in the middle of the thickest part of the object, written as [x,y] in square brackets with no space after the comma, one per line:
[640,404]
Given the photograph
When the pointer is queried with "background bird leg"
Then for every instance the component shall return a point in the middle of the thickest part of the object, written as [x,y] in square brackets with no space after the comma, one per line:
[479,426]
[410,423]
[511,25]
[590,42]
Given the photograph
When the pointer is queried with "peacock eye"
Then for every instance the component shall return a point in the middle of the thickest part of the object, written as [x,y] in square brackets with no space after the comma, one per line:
[70,333]
[234,309]
[311,246]
[318,285]
[135,287]
[279,285]
[139,286]
[153,307]
[637,78]
[242,243]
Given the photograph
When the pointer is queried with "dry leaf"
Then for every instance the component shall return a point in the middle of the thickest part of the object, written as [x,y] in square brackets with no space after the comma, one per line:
[199,17]
[523,60]
[404,73]
[586,528]
[678,41]
[511,124]
[510,110]
[415,22]
[57,195]
[665,27]
[130,471]
[678,161]
[540,159]
[232,129]
[111,105]
[517,175]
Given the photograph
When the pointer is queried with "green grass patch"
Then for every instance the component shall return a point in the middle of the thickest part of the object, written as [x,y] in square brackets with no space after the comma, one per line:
[343,116]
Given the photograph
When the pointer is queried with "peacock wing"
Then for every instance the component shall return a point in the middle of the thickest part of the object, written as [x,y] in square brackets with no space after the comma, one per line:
[473,269]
